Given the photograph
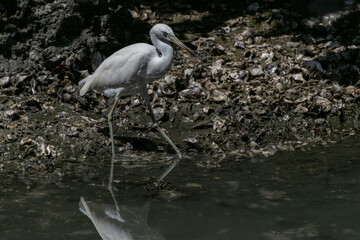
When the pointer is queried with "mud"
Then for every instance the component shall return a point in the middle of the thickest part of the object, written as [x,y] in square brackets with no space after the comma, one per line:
[270,76]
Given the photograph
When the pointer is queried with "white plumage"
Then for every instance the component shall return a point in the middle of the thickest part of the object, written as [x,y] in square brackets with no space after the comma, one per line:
[127,71]
[132,67]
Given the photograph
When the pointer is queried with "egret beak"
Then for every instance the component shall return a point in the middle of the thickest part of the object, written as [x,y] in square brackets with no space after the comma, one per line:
[180,44]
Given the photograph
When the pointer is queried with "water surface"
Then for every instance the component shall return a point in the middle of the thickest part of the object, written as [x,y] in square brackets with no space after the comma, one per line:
[291,195]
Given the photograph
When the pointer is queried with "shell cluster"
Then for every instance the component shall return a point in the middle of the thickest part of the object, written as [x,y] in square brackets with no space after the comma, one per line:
[265,80]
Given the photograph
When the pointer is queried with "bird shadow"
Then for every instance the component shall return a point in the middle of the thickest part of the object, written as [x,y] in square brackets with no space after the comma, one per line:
[139,143]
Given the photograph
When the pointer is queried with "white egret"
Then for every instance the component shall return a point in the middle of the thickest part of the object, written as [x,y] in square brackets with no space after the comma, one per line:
[127,71]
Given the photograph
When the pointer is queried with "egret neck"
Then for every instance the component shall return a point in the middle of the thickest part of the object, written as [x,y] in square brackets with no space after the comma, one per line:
[160,65]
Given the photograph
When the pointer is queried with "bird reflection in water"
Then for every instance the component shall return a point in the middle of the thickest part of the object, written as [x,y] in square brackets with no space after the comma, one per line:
[122,223]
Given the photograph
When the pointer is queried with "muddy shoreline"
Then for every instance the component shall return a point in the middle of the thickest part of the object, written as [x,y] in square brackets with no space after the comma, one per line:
[268,78]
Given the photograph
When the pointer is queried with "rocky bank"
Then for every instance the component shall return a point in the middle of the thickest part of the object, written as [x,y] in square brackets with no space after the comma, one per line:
[269,76]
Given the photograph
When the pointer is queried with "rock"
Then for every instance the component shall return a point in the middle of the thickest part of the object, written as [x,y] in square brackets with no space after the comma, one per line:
[190,140]
[279,86]
[226,29]
[298,77]
[323,103]
[168,86]
[53,62]
[292,44]
[194,91]
[217,68]
[300,109]
[232,22]
[271,68]
[286,117]
[350,90]
[218,96]
[267,57]
[70,89]
[248,32]
[218,50]
[159,113]
[67,97]
[239,44]
[11,114]
[310,23]
[25,141]
[242,74]
[337,87]
[207,109]
[219,124]
[313,66]
[4,81]
[256,72]
[319,121]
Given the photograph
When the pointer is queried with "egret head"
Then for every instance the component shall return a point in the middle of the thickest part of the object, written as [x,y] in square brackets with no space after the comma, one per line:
[164,33]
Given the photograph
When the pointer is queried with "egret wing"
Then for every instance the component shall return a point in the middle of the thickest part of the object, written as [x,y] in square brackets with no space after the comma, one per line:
[125,69]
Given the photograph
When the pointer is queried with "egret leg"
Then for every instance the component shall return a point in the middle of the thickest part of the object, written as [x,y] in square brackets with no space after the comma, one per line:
[145,95]
[113,196]
[112,150]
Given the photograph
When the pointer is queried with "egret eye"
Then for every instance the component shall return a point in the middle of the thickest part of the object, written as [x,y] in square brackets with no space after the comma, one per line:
[165,34]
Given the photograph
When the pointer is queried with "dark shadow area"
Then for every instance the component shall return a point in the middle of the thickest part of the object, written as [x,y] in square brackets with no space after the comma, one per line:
[19,17]
[348,27]
[113,20]
[69,29]
[137,143]
[218,12]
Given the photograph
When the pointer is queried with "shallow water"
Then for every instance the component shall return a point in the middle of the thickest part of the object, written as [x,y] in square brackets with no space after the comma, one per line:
[292,195]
